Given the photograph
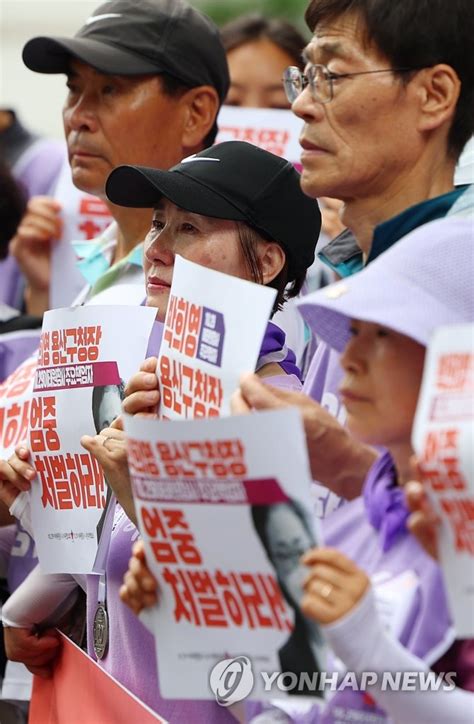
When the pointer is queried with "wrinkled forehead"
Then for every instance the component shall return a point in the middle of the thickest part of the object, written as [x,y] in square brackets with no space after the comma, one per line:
[343,37]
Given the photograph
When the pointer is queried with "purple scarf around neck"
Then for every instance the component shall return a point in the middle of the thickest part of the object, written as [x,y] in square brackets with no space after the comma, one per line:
[384,501]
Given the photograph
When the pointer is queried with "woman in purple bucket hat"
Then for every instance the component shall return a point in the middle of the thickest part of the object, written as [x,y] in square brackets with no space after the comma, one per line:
[381,320]
[378,595]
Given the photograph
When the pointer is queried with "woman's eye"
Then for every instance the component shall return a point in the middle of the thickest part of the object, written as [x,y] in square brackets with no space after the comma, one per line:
[108,90]
[72,88]
[353,331]
[381,332]
[157,225]
[188,228]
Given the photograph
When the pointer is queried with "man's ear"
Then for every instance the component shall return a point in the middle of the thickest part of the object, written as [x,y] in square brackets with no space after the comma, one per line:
[439,88]
[201,105]
[272,260]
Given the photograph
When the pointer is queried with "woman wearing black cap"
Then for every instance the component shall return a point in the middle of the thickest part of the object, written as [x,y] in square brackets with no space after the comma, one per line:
[236,209]
[233,207]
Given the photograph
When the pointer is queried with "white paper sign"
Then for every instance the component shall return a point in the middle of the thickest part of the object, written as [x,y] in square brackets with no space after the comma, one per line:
[15,401]
[86,356]
[223,507]
[213,332]
[83,217]
[443,436]
[272,129]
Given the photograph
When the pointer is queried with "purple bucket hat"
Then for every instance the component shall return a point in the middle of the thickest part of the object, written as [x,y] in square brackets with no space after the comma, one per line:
[422,282]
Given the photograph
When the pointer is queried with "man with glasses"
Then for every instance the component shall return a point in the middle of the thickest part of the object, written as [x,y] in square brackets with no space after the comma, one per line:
[387,99]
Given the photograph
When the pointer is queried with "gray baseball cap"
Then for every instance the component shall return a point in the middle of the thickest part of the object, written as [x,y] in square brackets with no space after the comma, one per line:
[126,37]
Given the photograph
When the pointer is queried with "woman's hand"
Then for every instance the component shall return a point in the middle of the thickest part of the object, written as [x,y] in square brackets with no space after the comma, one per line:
[140,588]
[333,587]
[142,393]
[31,246]
[16,475]
[337,459]
[423,522]
[109,449]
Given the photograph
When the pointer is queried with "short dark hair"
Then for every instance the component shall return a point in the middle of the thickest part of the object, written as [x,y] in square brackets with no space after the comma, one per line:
[417,34]
[173,88]
[12,207]
[286,287]
[254,26]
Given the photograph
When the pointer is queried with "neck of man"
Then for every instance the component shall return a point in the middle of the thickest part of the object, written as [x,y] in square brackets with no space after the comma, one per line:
[401,454]
[421,183]
[133,226]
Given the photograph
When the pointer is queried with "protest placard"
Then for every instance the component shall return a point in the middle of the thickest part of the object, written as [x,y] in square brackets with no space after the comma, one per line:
[15,401]
[443,435]
[86,355]
[223,507]
[275,130]
[213,332]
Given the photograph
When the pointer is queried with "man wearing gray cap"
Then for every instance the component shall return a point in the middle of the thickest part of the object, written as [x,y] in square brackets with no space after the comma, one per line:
[145,81]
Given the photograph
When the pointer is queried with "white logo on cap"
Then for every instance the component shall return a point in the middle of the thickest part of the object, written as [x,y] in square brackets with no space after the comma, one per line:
[95,18]
[189,159]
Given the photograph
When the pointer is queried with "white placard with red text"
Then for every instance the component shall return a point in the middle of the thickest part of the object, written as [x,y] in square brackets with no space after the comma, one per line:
[272,129]
[85,357]
[214,328]
[15,401]
[443,436]
[212,496]
[82,217]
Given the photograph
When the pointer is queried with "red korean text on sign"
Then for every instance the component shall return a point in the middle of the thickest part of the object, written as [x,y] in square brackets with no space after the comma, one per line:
[219,459]
[43,433]
[439,464]
[182,325]
[141,458]
[460,513]
[273,140]
[455,372]
[71,481]
[187,391]
[14,408]
[68,346]
[170,538]
[206,598]
[218,599]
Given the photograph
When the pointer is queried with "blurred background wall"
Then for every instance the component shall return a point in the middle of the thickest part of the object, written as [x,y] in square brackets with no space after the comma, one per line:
[38,98]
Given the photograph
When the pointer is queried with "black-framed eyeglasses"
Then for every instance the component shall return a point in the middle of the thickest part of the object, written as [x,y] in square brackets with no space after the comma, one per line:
[320,80]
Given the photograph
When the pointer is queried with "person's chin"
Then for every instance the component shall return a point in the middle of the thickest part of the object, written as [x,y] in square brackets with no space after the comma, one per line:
[311,182]
[160,302]
[88,180]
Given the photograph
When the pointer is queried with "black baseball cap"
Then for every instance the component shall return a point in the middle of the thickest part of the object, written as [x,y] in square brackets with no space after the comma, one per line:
[140,37]
[236,181]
